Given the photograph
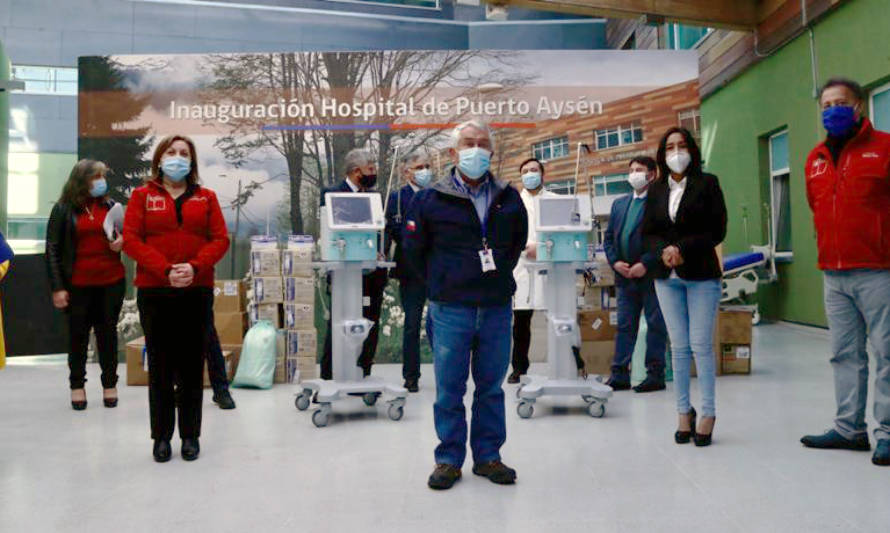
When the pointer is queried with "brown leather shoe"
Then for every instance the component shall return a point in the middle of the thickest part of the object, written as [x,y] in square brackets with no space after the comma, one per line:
[444,477]
[496,472]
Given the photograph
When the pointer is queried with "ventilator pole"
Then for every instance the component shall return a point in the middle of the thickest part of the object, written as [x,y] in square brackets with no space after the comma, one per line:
[392,171]
[577,168]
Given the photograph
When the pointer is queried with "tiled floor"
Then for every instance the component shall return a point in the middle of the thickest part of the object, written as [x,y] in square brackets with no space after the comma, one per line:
[265,467]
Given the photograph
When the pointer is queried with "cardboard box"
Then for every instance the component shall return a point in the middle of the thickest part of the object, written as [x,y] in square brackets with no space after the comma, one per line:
[137,362]
[300,290]
[297,261]
[268,290]
[232,362]
[227,357]
[299,316]
[717,358]
[598,356]
[229,296]
[280,370]
[300,368]
[736,358]
[734,327]
[230,327]
[268,312]
[600,325]
[265,262]
[302,342]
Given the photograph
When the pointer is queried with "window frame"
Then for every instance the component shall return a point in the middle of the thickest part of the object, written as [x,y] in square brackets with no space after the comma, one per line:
[557,186]
[54,70]
[881,89]
[618,131]
[674,29]
[551,144]
[785,256]
[696,117]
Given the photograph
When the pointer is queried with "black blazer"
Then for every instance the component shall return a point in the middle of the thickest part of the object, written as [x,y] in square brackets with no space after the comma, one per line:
[61,245]
[699,228]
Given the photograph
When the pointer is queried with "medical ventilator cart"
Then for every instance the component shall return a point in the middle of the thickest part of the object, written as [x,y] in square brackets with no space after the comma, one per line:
[348,243]
[562,224]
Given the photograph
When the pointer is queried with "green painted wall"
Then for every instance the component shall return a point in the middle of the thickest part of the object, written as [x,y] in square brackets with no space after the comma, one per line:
[852,41]
[4,135]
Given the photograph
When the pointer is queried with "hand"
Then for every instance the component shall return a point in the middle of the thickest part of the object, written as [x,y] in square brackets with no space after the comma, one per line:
[117,244]
[671,257]
[531,251]
[637,271]
[182,275]
[622,268]
[60,299]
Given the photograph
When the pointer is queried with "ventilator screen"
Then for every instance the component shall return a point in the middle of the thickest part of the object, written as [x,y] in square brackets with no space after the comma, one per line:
[559,212]
[348,210]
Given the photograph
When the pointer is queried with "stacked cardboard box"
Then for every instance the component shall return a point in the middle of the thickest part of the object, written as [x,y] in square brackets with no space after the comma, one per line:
[230,319]
[268,285]
[299,309]
[598,329]
[734,335]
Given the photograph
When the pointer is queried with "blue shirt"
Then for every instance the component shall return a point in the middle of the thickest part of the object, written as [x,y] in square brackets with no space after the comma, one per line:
[480,195]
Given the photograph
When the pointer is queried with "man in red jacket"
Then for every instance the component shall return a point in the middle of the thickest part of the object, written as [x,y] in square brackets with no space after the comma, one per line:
[848,189]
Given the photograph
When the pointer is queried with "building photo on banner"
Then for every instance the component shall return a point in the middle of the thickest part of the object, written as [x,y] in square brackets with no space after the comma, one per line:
[272,130]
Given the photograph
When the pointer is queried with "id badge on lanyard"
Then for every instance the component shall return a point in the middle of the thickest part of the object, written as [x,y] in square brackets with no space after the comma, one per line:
[486,257]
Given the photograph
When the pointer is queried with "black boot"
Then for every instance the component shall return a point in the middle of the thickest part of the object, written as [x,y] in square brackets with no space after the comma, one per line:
[161,450]
[223,399]
[190,449]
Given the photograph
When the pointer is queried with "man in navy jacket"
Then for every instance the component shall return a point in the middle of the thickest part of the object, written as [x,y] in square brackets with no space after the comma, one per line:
[415,170]
[464,235]
[361,176]
[636,291]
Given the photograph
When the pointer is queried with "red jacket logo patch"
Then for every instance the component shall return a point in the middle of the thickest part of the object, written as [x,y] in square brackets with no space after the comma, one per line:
[411,226]
[155,203]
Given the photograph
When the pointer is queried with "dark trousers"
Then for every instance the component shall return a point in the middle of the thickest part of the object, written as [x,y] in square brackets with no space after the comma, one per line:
[413,296]
[175,326]
[522,338]
[216,363]
[634,297]
[373,285]
[97,309]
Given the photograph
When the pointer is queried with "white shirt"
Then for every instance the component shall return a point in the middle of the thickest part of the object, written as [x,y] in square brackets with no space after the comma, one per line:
[414,187]
[352,186]
[641,195]
[677,190]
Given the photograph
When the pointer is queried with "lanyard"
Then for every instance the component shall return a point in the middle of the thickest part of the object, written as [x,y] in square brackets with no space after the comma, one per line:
[484,218]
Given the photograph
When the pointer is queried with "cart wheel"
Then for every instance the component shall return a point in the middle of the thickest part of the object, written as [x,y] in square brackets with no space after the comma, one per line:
[370,398]
[525,409]
[596,410]
[395,412]
[302,402]
[320,418]
[755,318]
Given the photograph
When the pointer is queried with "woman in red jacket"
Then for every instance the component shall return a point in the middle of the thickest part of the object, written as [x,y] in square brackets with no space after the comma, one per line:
[175,231]
[86,276]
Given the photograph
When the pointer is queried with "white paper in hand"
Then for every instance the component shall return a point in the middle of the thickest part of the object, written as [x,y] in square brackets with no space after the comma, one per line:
[114,222]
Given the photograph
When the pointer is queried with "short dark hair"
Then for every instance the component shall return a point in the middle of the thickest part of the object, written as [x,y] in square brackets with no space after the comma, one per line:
[644,160]
[854,87]
[694,168]
[529,160]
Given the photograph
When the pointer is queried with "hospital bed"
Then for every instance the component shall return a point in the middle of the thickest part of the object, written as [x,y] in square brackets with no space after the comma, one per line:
[743,274]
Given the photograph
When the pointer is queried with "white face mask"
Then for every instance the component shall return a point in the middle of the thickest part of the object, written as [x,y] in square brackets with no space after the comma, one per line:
[638,180]
[677,161]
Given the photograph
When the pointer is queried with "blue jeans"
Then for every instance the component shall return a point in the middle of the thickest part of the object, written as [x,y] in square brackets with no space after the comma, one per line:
[413,297]
[466,338]
[634,297]
[857,304]
[690,312]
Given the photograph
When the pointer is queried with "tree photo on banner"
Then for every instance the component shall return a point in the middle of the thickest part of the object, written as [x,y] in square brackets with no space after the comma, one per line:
[271,129]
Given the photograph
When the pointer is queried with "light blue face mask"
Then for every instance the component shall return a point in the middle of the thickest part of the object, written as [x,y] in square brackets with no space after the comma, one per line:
[98,188]
[176,168]
[474,162]
[531,180]
[423,177]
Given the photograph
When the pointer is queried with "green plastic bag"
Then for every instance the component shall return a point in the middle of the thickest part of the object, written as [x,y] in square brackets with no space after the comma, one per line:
[638,360]
[256,368]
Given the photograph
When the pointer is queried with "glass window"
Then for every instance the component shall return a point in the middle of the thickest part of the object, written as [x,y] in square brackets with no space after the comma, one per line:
[880,107]
[47,80]
[682,37]
[611,185]
[551,148]
[619,136]
[780,194]
[560,187]
[691,120]
[28,229]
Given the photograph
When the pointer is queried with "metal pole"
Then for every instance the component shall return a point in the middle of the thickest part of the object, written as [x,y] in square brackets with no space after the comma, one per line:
[237,223]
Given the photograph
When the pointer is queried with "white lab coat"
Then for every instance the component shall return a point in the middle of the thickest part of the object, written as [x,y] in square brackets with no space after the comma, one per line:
[524,282]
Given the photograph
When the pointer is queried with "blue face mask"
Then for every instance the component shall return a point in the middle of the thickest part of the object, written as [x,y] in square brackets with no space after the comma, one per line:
[474,162]
[531,180]
[423,177]
[98,188]
[176,168]
[839,120]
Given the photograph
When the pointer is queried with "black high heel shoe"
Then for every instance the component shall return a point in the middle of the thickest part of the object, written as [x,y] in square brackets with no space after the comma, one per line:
[702,439]
[79,405]
[682,437]
[110,402]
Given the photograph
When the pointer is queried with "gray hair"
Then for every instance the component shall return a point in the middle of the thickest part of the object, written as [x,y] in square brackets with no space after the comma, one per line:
[479,125]
[412,156]
[356,158]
